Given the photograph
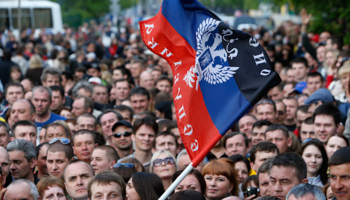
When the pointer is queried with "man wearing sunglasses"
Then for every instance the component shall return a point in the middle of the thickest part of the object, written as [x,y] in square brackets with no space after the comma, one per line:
[121,138]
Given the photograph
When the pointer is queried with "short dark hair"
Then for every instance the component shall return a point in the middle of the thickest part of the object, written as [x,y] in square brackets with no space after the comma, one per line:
[140,91]
[165,133]
[262,146]
[148,121]
[291,160]
[187,194]
[164,77]
[111,153]
[314,74]
[340,157]
[6,126]
[57,88]
[105,178]
[82,132]
[261,123]
[238,158]
[117,114]
[14,84]
[299,60]
[22,123]
[38,148]
[275,127]
[123,108]
[147,185]
[232,134]
[59,147]
[265,166]
[330,110]
[55,124]
[88,102]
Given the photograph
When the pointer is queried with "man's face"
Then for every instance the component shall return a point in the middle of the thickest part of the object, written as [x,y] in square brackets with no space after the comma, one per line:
[300,71]
[290,75]
[99,161]
[14,93]
[20,110]
[100,95]
[301,116]
[107,122]
[56,162]
[76,179]
[313,84]
[57,101]
[236,145]
[5,164]
[185,160]
[260,158]
[264,180]
[117,74]
[93,72]
[122,90]
[281,112]
[26,133]
[86,123]
[123,142]
[42,160]
[275,94]
[277,137]
[19,166]
[166,142]
[78,107]
[258,134]
[143,138]
[136,69]
[245,124]
[164,86]
[291,108]
[340,181]
[83,146]
[265,112]
[14,193]
[4,137]
[146,80]
[324,127]
[282,180]
[55,132]
[51,80]
[307,131]
[41,102]
[99,191]
[139,103]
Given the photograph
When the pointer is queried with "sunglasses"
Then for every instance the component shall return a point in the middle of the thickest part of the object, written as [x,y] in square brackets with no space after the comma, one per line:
[127,165]
[125,134]
[62,140]
[168,160]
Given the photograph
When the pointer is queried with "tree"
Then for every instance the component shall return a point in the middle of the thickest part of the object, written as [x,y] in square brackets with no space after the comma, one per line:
[333,16]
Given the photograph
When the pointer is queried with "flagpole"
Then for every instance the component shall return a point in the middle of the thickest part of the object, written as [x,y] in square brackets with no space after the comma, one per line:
[176,182]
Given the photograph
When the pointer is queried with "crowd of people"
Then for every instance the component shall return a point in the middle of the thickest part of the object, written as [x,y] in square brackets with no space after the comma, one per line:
[88,114]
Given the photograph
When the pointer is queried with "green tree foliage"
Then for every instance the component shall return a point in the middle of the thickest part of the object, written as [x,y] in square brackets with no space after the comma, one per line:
[244,5]
[83,9]
[331,15]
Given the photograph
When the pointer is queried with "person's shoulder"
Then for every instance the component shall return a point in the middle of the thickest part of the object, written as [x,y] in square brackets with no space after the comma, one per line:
[57,117]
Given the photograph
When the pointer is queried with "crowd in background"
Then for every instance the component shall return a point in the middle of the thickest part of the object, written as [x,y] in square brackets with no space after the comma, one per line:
[88,113]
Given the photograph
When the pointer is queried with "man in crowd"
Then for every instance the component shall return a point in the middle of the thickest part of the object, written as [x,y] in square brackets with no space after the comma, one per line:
[339,173]
[103,158]
[100,94]
[22,109]
[139,99]
[165,140]
[261,152]
[22,189]
[258,131]
[14,91]
[25,130]
[59,153]
[235,143]
[84,142]
[76,176]
[266,110]
[326,121]
[86,121]
[279,135]
[121,138]
[22,155]
[58,99]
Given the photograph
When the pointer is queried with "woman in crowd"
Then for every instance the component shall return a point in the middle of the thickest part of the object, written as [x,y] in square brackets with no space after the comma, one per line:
[163,164]
[242,166]
[193,181]
[316,160]
[327,191]
[344,77]
[51,187]
[334,143]
[144,186]
[221,179]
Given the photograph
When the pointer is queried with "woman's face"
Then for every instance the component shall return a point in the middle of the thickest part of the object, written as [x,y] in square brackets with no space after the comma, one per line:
[329,193]
[242,170]
[190,182]
[334,143]
[131,193]
[313,159]
[218,186]
[164,170]
[344,79]
[65,113]
[330,59]
[15,75]
[54,192]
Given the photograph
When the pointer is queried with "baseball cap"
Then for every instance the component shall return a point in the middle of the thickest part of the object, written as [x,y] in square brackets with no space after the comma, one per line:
[121,123]
[322,94]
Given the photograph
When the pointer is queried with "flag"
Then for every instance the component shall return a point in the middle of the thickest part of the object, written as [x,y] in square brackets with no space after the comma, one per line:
[218,73]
